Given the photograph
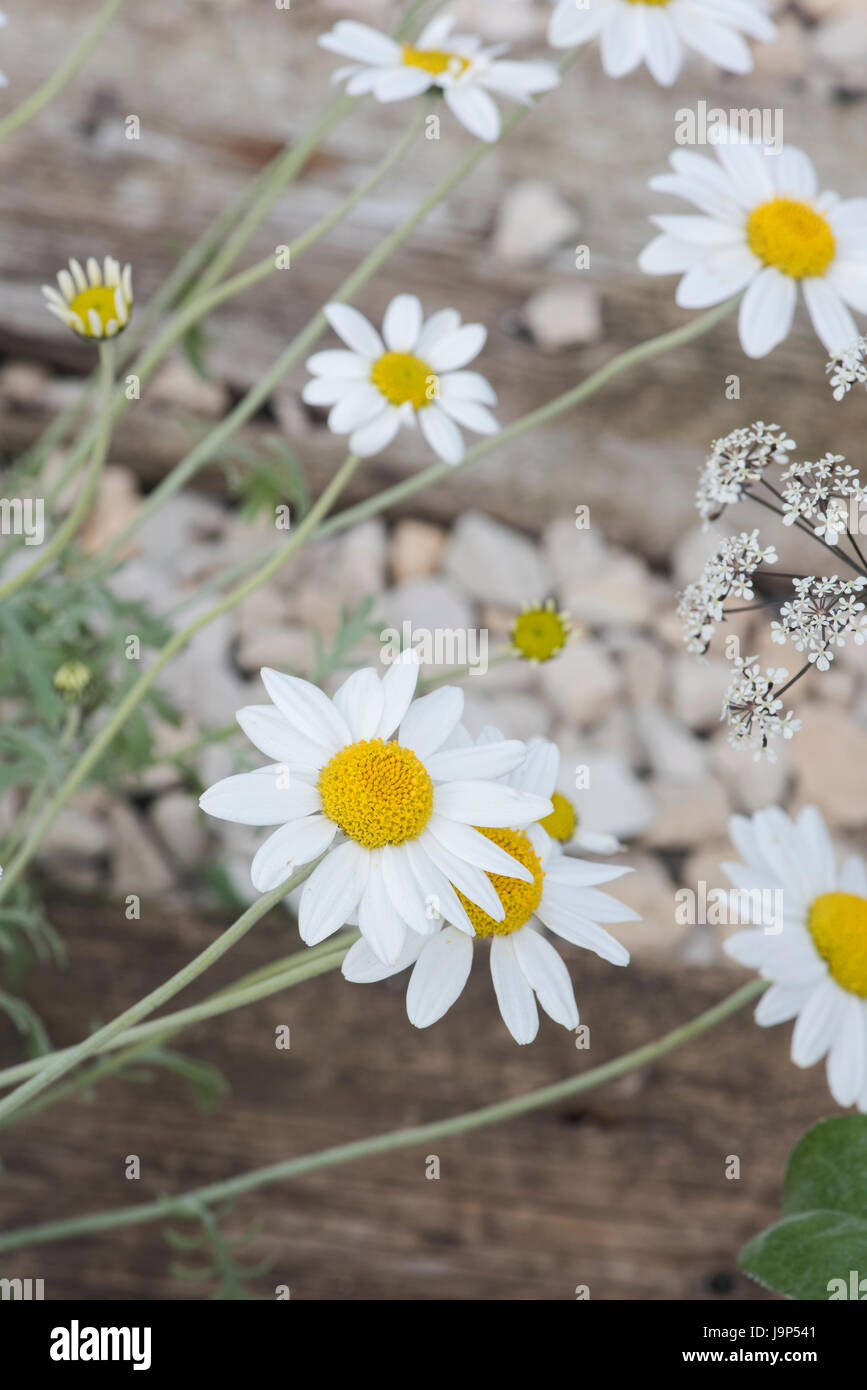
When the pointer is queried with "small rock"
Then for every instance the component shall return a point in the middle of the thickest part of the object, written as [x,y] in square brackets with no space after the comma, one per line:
[415,550]
[572,555]
[840,46]
[751,785]
[698,687]
[563,316]
[495,564]
[115,505]
[643,667]
[534,219]
[76,834]
[177,384]
[23,383]
[178,821]
[581,682]
[623,591]
[279,645]
[138,866]
[829,755]
[515,715]
[671,750]
[434,616]
[687,814]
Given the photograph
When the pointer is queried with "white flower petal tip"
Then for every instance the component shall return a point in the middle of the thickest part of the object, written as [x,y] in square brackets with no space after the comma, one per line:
[764,233]
[94,301]
[807,942]
[411,374]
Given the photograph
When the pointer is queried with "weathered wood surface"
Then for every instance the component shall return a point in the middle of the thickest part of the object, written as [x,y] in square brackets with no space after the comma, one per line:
[219,84]
[623,1190]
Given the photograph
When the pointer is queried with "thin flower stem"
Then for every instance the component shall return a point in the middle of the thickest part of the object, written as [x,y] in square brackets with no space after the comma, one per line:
[783,688]
[807,530]
[97,1042]
[385,1143]
[260,984]
[38,100]
[437,472]
[88,489]
[176,643]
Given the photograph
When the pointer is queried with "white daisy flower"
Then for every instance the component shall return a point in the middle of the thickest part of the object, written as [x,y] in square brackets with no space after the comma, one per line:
[95,300]
[656,31]
[817,963]
[415,375]
[765,228]
[560,893]
[457,64]
[395,813]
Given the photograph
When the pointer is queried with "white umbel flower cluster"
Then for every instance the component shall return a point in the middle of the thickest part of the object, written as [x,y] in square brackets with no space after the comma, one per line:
[735,462]
[822,615]
[821,493]
[728,574]
[848,369]
[753,710]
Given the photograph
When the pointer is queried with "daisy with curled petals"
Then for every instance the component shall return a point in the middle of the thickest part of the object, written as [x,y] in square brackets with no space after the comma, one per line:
[364,778]
[415,375]
[656,31]
[817,963]
[764,228]
[456,64]
[561,893]
[95,300]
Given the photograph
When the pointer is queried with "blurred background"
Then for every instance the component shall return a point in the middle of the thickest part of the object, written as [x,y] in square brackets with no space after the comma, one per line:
[627,1192]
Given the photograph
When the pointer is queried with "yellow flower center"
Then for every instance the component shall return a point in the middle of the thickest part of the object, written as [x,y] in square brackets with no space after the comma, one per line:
[791,236]
[540,633]
[519,899]
[99,298]
[648,2]
[561,823]
[378,793]
[434,60]
[403,378]
[838,926]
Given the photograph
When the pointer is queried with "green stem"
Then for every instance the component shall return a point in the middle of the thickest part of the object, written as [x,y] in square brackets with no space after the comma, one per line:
[176,643]
[89,487]
[97,1042]
[260,984]
[55,84]
[416,1135]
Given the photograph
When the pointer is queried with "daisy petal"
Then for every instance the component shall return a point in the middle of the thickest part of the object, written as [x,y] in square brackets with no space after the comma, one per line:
[360,700]
[398,688]
[308,709]
[430,720]
[294,844]
[832,321]
[332,892]
[766,312]
[361,967]
[547,975]
[514,993]
[475,110]
[484,803]
[439,976]
[442,434]
[356,331]
[402,324]
[264,797]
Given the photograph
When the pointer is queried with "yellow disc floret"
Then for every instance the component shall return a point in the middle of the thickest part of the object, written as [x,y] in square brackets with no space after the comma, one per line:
[434,60]
[404,379]
[99,300]
[562,821]
[378,793]
[791,236]
[838,925]
[540,632]
[519,899]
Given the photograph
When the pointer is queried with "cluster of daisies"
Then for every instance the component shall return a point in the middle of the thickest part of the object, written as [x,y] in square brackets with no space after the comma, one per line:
[826,500]
[433,844]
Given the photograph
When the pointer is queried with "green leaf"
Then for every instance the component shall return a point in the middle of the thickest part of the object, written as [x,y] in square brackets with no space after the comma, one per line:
[828,1168]
[818,1250]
